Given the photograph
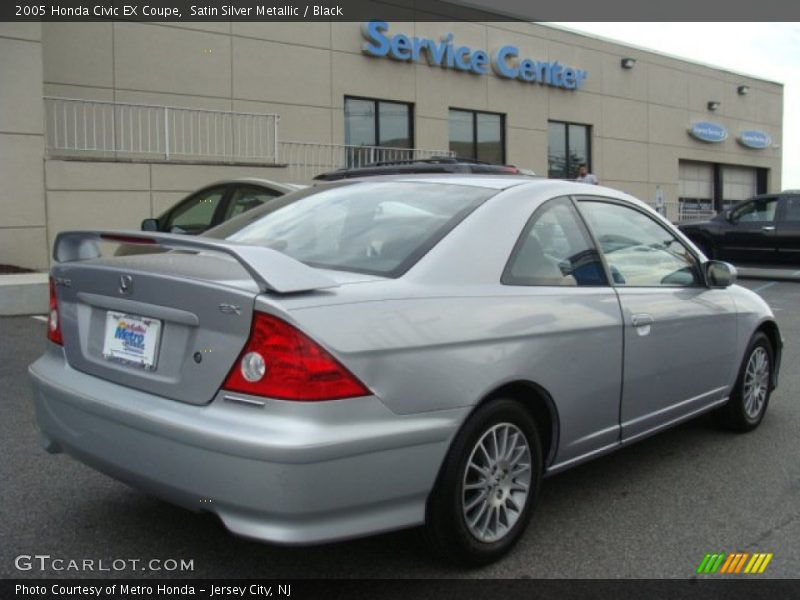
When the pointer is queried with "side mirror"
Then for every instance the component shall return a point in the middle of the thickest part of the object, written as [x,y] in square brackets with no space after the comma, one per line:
[719,274]
[729,216]
[150,225]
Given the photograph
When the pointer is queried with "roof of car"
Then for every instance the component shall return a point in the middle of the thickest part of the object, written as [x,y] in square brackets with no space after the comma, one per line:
[433,165]
[497,182]
[260,181]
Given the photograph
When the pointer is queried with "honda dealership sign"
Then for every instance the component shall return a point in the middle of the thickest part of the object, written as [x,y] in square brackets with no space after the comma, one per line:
[706,131]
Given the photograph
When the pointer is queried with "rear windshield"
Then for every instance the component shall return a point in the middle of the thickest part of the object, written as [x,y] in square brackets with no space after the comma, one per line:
[380,228]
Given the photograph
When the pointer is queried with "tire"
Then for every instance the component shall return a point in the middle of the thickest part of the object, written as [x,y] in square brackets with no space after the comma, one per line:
[748,402]
[479,523]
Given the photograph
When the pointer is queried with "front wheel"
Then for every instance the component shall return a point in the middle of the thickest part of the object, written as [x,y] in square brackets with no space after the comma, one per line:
[750,397]
[488,485]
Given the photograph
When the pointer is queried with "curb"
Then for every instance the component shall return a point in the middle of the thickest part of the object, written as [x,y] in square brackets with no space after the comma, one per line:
[24,294]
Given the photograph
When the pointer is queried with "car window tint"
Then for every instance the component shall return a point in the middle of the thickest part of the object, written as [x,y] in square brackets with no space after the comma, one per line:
[248,197]
[555,249]
[372,227]
[792,213]
[196,214]
[762,210]
[639,251]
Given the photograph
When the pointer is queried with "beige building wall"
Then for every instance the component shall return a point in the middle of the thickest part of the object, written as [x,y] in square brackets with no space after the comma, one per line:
[22,199]
[303,71]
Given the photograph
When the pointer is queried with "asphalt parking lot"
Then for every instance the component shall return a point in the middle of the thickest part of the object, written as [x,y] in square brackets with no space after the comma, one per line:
[652,510]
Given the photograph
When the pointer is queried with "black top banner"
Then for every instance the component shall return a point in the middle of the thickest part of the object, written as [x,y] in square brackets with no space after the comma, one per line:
[400,10]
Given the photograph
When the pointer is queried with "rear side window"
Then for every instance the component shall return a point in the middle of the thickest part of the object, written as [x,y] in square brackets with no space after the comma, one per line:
[555,249]
[247,198]
[379,228]
[196,214]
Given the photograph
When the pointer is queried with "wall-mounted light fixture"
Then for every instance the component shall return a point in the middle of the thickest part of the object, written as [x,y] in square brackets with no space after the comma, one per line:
[627,63]
[713,104]
[743,90]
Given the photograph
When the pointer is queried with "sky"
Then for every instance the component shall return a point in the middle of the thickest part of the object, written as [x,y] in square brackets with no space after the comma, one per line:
[765,50]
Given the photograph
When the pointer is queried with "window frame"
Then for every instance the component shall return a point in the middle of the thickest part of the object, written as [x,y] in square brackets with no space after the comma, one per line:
[507,279]
[698,264]
[589,127]
[475,114]
[377,121]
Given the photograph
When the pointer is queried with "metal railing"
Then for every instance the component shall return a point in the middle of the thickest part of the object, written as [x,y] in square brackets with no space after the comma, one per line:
[128,130]
[688,211]
[304,160]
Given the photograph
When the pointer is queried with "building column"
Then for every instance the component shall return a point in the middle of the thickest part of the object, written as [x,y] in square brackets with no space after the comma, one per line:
[23,220]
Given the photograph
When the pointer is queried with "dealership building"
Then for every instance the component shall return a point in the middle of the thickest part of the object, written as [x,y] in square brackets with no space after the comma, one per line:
[103,124]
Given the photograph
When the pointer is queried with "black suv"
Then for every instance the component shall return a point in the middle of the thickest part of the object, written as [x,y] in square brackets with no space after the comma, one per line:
[764,230]
[431,165]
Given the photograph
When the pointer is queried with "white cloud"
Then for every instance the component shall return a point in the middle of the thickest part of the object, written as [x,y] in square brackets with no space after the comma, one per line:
[765,50]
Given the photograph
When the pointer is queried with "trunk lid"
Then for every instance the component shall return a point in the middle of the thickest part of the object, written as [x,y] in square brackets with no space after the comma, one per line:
[171,324]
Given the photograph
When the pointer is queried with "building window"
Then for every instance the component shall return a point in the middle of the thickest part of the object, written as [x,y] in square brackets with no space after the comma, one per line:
[478,135]
[568,147]
[369,122]
[384,127]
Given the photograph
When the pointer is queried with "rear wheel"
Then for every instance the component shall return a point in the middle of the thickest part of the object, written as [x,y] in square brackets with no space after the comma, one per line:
[750,397]
[488,485]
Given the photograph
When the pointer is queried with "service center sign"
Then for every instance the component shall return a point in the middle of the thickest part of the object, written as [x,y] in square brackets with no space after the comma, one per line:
[505,61]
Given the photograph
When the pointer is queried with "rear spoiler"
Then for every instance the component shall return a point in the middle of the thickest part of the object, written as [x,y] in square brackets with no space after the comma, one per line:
[273,271]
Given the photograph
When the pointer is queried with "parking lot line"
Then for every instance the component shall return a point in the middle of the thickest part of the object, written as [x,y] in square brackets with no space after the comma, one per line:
[39,317]
[765,286]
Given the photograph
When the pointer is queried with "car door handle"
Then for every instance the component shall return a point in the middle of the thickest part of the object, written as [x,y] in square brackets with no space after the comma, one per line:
[768,228]
[642,319]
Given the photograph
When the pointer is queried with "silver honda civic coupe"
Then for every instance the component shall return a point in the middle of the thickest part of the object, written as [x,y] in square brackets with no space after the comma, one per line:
[388,352]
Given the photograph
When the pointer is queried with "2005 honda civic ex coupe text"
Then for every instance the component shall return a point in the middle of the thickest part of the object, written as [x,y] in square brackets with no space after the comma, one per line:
[385,352]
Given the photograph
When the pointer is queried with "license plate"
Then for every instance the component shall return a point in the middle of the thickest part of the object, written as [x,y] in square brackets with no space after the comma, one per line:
[131,340]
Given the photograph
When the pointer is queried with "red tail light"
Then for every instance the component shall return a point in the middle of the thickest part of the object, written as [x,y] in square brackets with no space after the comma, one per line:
[279,361]
[53,320]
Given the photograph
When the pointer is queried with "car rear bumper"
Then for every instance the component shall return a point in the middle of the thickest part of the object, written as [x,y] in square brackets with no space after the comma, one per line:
[284,472]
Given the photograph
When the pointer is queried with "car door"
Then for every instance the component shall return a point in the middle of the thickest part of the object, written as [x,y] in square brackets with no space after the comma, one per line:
[196,213]
[788,232]
[561,291]
[679,335]
[750,236]
[245,197]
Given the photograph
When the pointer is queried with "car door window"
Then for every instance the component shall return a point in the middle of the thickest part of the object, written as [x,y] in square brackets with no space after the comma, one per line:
[555,249]
[761,210]
[196,214]
[639,250]
[792,212]
[247,197]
